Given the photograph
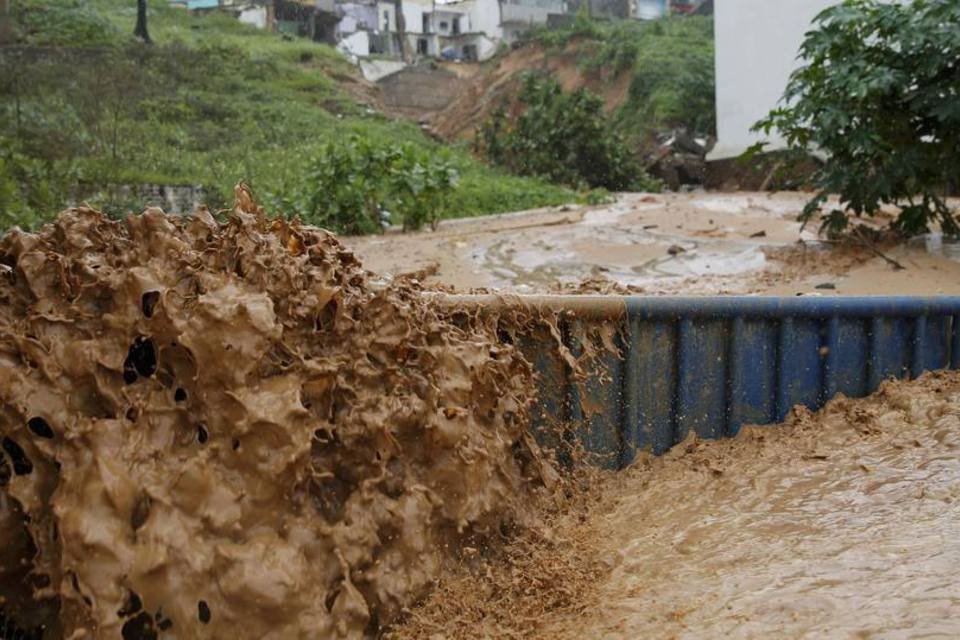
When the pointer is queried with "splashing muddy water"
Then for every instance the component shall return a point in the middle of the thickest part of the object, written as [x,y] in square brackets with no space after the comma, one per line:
[840,524]
[216,430]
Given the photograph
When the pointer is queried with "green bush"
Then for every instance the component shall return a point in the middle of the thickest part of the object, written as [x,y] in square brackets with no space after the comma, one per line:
[64,22]
[880,96]
[349,185]
[563,137]
[670,62]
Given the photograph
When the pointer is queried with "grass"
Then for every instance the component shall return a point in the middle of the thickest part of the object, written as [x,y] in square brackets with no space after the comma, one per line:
[670,62]
[85,107]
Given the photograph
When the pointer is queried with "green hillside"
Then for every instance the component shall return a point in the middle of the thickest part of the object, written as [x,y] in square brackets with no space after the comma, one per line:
[85,107]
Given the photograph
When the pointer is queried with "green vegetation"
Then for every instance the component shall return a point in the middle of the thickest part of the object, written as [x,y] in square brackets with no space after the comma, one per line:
[361,176]
[85,107]
[880,95]
[671,67]
[563,137]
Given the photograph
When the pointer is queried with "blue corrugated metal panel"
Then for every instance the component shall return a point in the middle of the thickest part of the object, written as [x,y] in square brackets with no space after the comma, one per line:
[753,375]
[799,364]
[712,365]
[702,366]
[651,384]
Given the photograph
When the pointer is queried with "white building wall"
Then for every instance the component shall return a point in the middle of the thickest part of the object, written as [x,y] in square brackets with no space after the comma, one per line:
[756,50]
[485,18]
[413,14]
[386,17]
[357,43]
[256,16]
[650,9]
[486,47]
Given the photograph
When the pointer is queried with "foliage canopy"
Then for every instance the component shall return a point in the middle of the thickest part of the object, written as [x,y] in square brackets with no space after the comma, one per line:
[349,186]
[670,62]
[879,95]
[563,137]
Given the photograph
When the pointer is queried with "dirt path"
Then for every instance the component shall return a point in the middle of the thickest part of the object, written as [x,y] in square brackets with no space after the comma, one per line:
[845,523]
[695,244]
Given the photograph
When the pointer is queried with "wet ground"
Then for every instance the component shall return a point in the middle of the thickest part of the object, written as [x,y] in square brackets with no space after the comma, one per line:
[707,243]
[842,524]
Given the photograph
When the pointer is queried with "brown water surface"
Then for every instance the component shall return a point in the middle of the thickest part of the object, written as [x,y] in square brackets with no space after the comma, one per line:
[841,524]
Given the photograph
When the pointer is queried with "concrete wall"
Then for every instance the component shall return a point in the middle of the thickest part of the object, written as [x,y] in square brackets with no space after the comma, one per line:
[756,50]
[357,17]
[652,9]
[485,18]
[387,17]
[413,11]
[529,12]
[256,16]
[357,43]
[420,89]
[375,70]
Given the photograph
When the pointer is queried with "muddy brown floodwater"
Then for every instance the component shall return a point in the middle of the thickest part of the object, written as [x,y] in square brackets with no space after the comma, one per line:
[840,524]
[659,244]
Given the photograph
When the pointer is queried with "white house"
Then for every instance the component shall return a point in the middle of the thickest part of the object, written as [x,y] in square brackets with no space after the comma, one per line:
[650,9]
[757,42]
[463,29]
[517,17]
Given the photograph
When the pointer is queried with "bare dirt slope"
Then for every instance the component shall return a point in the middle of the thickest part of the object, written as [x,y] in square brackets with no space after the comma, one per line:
[838,524]
[499,79]
[695,244]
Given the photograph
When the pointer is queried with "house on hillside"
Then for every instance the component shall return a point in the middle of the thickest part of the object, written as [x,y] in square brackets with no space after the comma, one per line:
[314,19]
[456,29]
[519,17]
[656,9]
[408,30]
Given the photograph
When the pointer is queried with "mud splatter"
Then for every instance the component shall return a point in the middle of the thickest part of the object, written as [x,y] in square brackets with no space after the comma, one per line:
[222,429]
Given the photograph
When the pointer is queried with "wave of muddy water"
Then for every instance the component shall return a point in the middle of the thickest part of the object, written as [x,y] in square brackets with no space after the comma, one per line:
[840,524]
[222,430]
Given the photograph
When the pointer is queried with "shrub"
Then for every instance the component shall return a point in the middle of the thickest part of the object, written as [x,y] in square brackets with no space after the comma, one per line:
[563,137]
[880,96]
[65,22]
[349,185]
[670,62]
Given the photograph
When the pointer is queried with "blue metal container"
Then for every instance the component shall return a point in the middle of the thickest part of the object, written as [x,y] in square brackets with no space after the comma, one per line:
[712,365]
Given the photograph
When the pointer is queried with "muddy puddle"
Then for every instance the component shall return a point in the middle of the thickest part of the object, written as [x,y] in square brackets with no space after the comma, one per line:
[696,244]
[841,524]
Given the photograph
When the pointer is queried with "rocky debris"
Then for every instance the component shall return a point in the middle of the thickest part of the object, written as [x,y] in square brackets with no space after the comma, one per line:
[681,160]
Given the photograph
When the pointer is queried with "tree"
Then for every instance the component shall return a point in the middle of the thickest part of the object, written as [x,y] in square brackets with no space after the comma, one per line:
[879,94]
[6,22]
[140,31]
[563,137]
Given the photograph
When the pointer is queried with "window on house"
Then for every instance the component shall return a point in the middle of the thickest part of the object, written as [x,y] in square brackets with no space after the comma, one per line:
[456,26]
[422,46]
[386,21]
[443,26]
[426,23]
